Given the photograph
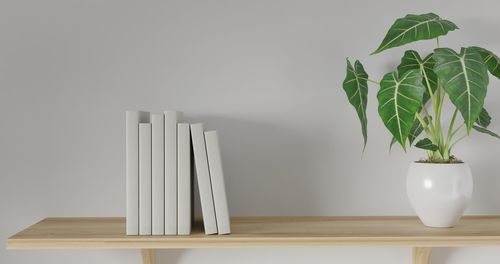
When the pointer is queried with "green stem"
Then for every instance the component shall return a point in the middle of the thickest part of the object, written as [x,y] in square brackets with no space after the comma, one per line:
[433,102]
[452,124]
[429,90]
[458,140]
[370,80]
[429,119]
[437,109]
[425,126]
[458,129]
[441,101]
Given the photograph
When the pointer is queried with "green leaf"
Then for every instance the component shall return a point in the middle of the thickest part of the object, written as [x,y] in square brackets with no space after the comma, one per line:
[484,119]
[356,88]
[399,99]
[412,60]
[413,28]
[426,144]
[491,60]
[464,76]
[486,131]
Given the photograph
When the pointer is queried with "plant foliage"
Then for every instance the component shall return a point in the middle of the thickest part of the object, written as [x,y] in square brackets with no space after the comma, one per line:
[356,88]
[413,28]
[411,98]
[400,97]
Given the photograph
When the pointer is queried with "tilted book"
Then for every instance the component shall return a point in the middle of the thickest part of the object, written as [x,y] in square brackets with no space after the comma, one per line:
[203,177]
[217,179]
[132,120]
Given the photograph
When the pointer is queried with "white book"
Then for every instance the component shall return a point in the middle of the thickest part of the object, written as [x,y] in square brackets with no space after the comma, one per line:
[183,179]
[132,120]
[171,119]
[203,177]
[144,179]
[158,175]
[217,179]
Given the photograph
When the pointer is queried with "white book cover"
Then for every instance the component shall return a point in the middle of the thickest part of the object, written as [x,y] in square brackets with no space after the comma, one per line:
[217,179]
[171,120]
[144,179]
[132,120]
[183,179]
[158,175]
[203,177]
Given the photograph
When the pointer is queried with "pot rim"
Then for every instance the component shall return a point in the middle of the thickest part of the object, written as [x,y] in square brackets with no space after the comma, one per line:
[439,164]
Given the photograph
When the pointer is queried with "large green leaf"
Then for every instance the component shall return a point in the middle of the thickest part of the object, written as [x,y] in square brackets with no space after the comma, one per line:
[486,131]
[412,60]
[413,28]
[426,144]
[464,76]
[356,87]
[399,99]
[491,60]
[484,119]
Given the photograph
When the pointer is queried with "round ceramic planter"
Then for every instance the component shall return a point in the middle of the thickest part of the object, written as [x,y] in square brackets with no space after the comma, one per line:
[439,193]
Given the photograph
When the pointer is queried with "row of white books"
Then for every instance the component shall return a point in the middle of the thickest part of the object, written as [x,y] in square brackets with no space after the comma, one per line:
[160,152]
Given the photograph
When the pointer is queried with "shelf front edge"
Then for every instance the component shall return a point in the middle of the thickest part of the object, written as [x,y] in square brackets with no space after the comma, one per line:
[247,242]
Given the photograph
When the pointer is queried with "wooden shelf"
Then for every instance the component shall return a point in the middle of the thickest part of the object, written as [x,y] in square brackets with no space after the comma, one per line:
[57,233]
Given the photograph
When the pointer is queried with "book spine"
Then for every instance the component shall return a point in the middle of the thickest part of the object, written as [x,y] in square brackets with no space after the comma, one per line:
[217,179]
[158,174]
[171,119]
[144,179]
[183,179]
[132,120]
[203,177]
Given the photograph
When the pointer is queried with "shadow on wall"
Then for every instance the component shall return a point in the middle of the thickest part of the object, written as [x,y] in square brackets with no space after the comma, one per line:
[266,169]
[266,166]
[486,182]
[171,256]
[480,31]
[441,255]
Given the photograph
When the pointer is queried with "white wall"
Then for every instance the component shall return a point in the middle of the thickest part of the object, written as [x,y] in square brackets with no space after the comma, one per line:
[266,74]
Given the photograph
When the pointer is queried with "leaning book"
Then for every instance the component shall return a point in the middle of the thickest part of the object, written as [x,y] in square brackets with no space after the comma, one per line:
[217,179]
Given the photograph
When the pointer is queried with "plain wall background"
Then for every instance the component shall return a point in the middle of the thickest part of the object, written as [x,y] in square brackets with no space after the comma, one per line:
[266,74]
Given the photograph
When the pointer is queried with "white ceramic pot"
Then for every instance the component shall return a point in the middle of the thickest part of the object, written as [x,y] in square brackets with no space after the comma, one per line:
[439,193]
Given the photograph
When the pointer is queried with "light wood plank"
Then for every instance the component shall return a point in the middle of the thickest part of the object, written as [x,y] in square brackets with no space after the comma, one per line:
[148,256]
[421,255]
[263,231]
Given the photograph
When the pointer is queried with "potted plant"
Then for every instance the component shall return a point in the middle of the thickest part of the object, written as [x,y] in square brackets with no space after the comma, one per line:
[410,104]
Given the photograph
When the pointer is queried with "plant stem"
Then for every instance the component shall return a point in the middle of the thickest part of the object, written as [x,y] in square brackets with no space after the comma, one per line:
[452,124]
[429,90]
[437,41]
[439,106]
[429,118]
[458,140]
[370,80]
[453,133]
[425,126]
[458,129]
